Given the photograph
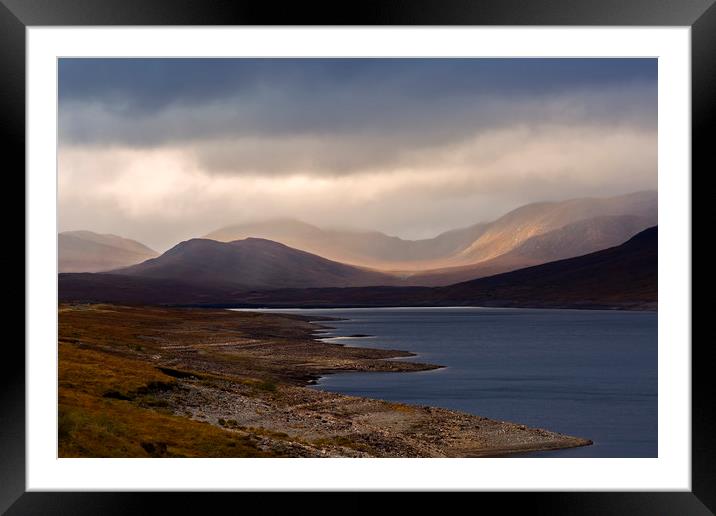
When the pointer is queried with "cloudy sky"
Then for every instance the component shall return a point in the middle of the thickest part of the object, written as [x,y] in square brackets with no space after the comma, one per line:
[162,150]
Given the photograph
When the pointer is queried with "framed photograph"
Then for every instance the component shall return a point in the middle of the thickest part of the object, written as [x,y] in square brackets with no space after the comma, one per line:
[426,248]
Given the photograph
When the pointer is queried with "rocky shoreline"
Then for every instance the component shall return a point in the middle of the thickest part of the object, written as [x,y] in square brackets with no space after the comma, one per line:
[246,374]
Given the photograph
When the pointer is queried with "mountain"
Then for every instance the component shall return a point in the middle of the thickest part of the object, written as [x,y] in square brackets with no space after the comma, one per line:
[252,263]
[85,251]
[625,275]
[583,237]
[621,277]
[469,246]
[515,228]
[362,248]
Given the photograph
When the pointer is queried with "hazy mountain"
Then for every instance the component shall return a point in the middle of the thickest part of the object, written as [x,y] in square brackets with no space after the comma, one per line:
[252,263]
[362,248]
[468,246]
[515,228]
[623,277]
[85,251]
[575,239]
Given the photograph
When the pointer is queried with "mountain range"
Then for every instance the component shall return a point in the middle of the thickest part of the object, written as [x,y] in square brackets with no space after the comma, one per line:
[287,255]
[530,235]
[575,239]
[252,263]
[624,277]
[85,251]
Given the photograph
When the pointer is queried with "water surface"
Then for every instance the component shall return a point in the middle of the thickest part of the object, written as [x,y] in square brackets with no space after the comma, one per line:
[586,373]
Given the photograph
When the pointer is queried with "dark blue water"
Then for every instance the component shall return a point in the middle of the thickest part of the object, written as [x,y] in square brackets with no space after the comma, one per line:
[586,373]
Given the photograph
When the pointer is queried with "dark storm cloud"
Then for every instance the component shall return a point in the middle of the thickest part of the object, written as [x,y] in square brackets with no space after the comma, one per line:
[149,102]
[147,85]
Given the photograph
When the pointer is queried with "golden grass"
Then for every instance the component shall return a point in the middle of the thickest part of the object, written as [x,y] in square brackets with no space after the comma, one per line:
[91,425]
[96,372]
[118,366]
[401,407]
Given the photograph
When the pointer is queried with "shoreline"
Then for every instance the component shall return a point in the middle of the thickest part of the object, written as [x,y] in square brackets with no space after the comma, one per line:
[334,339]
[264,307]
[246,376]
[495,453]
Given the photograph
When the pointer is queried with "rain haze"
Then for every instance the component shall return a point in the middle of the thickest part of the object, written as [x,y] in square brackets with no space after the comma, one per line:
[161,150]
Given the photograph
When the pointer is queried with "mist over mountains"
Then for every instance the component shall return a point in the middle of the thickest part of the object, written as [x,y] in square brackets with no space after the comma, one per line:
[86,251]
[620,277]
[292,254]
[530,235]
[579,238]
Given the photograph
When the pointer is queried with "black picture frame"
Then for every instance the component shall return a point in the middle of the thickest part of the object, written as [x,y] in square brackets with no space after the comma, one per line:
[17,15]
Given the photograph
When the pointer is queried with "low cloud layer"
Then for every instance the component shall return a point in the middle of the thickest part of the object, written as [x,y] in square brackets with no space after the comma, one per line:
[172,149]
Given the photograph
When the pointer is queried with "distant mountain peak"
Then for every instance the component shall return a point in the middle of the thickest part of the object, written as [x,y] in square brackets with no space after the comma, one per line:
[255,263]
[470,245]
[623,276]
[87,251]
